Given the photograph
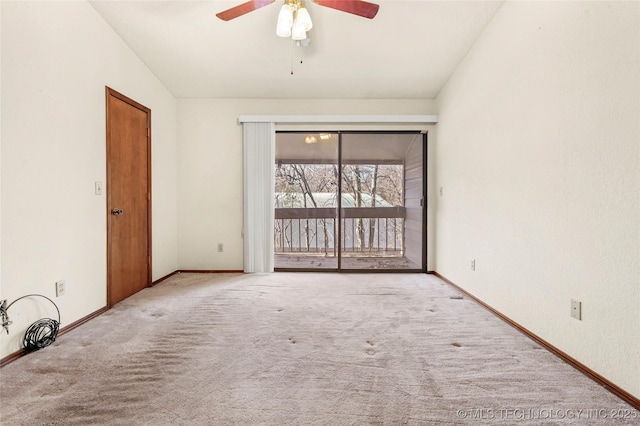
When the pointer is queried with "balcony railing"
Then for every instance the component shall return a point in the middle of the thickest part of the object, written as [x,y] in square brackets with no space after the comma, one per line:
[366,231]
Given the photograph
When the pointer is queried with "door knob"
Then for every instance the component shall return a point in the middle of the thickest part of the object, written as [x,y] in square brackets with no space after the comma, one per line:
[116,212]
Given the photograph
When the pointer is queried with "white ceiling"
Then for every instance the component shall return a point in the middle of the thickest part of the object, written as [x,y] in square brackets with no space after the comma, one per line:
[408,50]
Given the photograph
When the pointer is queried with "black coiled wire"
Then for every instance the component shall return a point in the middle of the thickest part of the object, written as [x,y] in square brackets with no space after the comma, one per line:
[41,333]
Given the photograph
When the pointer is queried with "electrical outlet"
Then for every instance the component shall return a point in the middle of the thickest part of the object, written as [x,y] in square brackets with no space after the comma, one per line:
[220,247]
[473,264]
[60,288]
[576,310]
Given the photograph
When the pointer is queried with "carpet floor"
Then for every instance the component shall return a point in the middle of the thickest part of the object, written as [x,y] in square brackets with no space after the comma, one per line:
[299,349]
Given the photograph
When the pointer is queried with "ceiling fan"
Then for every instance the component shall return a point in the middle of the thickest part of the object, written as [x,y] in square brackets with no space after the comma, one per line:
[294,19]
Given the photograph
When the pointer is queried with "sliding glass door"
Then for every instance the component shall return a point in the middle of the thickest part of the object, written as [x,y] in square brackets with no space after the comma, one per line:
[306,201]
[349,201]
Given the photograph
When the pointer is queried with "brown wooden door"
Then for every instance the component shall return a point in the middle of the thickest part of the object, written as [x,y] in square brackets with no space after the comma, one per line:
[128,197]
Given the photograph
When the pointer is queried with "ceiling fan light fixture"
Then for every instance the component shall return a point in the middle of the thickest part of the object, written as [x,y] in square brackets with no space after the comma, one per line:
[285,21]
[304,43]
[293,20]
[298,32]
[304,19]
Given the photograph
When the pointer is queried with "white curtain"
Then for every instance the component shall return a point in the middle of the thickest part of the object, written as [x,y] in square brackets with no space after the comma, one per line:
[259,141]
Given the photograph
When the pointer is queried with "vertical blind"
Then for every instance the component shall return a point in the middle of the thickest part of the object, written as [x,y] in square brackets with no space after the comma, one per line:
[259,163]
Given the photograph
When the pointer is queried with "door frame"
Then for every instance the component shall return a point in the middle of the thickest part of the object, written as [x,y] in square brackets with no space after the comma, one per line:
[110,92]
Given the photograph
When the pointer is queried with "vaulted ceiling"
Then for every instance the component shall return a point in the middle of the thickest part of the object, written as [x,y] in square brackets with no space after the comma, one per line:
[408,50]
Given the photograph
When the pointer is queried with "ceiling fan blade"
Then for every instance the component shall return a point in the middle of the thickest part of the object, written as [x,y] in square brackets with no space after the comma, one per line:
[243,8]
[356,7]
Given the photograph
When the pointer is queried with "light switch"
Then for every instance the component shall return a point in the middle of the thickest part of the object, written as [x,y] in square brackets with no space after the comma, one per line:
[576,309]
[98,188]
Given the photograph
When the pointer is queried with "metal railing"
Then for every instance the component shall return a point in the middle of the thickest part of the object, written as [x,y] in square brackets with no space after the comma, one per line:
[366,231]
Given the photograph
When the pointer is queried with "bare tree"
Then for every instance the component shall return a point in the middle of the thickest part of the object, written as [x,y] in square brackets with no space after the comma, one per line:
[353,177]
[308,179]
[373,191]
[367,184]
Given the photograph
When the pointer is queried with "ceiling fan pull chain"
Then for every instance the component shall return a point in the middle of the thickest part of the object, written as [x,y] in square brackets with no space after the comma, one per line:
[294,44]
[292,50]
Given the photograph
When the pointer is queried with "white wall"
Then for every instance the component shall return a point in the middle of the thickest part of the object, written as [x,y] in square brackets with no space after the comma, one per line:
[539,161]
[57,58]
[210,167]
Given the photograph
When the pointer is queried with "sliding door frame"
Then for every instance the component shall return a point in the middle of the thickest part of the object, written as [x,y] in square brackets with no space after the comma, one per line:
[338,228]
[338,236]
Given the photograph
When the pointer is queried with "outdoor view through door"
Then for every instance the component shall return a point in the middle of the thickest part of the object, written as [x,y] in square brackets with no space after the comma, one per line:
[349,201]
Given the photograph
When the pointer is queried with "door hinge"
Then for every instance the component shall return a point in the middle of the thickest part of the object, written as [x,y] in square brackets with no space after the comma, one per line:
[148,132]
[149,260]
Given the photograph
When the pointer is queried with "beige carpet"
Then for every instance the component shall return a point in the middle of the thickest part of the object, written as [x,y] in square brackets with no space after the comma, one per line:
[298,349]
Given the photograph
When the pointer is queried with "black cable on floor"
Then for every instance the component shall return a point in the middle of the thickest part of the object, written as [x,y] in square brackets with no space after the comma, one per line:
[41,333]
